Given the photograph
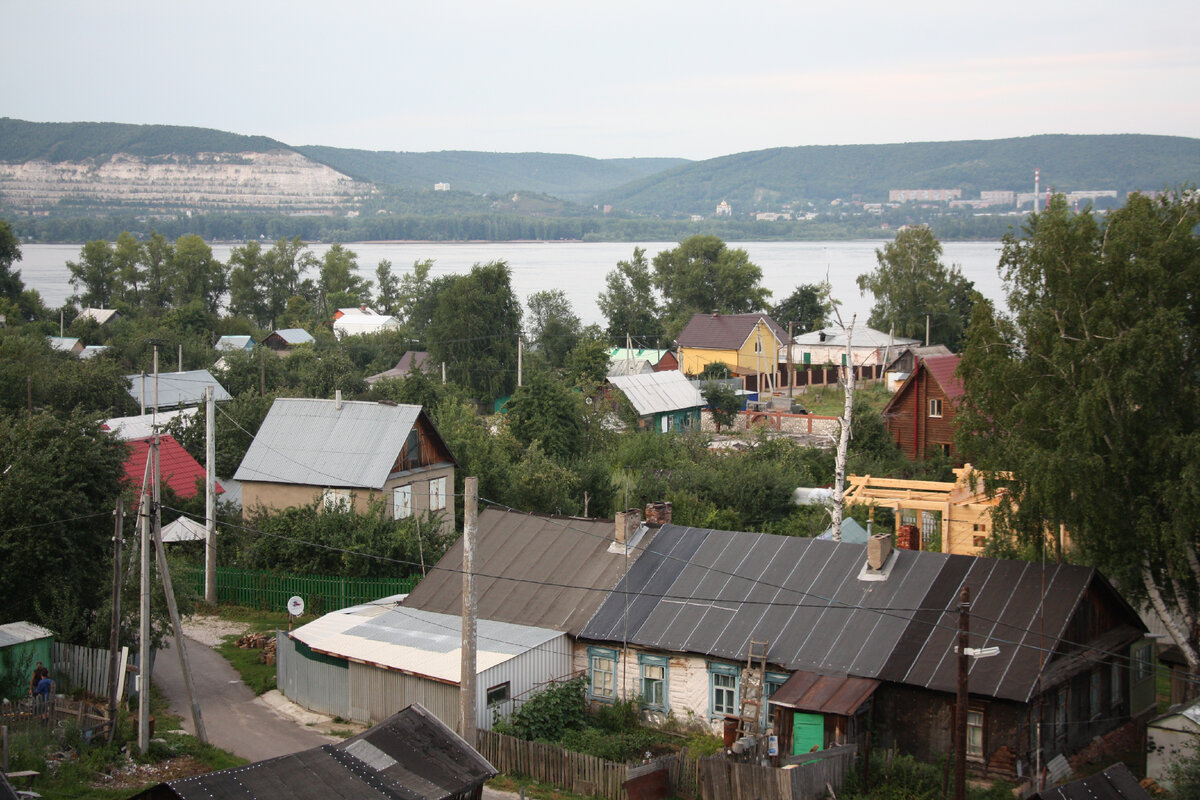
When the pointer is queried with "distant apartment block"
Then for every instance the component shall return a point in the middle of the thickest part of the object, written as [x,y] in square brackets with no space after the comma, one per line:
[998,197]
[724,209]
[441,187]
[1083,195]
[771,216]
[924,195]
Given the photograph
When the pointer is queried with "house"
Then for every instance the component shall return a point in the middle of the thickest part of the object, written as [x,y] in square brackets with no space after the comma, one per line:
[178,469]
[102,316]
[22,645]
[413,359]
[410,755]
[746,343]
[66,344]
[1171,736]
[906,360]
[363,323]
[920,415]
[857,640]
[174,389]
[362,663]
[288,339]
[142,425]
[816,356]
[335,451]
[227,344]
[1114,783]
[658,360]
[92,350]
[354,311]
[663,401]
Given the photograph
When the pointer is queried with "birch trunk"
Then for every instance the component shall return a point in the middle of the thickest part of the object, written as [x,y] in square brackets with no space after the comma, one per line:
[1160,608]
[839,474]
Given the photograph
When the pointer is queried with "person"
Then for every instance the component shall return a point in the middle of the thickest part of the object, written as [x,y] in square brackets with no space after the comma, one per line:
[39,673]
[44,686]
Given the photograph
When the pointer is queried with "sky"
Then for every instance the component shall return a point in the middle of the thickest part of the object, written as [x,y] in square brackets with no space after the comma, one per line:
[618,79]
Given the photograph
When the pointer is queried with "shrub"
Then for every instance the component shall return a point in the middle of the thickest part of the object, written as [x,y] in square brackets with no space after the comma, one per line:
[546,715]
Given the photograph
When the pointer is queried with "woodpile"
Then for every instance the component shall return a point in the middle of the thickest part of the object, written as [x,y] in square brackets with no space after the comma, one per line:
[259,641]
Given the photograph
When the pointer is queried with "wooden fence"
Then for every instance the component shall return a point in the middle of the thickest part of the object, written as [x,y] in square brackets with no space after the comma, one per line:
[76,667]
[574,772]
[722,779]
[321,593]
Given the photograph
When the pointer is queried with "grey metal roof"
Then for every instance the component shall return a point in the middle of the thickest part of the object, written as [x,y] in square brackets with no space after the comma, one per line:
[312,442]
[861,336]
[234,343]
[658,392]
[409,756]
[709,592]
[18,632]
[176,389]
[295,336]
[548,572]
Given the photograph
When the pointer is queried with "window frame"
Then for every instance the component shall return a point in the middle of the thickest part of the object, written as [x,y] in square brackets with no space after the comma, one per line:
[654,662]
[507,689]
[935,407]
[332,499]
[602,654]
[717,670]
[437,494]
[405,510]
[772,682]
[976,722]
[1116,684]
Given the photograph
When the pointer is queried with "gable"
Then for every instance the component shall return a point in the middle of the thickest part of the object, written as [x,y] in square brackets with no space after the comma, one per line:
[725,331]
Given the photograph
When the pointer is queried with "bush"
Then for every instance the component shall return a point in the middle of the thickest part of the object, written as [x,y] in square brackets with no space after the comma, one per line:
[628,745]
[548,714]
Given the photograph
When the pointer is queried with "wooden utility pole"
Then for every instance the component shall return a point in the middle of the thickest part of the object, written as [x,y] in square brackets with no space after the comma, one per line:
[210,499]
[114,635]
[173,609]
[466,708]
[519,348]
[791,375]
[960,706]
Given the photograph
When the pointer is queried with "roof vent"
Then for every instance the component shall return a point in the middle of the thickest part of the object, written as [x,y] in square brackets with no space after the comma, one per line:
[337,399]
[821,336]
[880,558]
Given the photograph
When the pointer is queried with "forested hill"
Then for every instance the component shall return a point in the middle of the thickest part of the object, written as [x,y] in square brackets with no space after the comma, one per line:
[766,178]
[78,141]
[569,177]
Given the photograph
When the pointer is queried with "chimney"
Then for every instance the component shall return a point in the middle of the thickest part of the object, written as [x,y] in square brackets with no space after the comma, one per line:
[821,336]
[879,547]
[627,522]
[337,400]
[908,537]
[658,513]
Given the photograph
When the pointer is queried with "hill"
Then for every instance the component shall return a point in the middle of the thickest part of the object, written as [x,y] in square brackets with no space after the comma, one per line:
[565,176]
[767,179]
[57,142]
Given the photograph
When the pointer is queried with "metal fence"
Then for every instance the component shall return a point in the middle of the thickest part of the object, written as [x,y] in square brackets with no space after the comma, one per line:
[269,590]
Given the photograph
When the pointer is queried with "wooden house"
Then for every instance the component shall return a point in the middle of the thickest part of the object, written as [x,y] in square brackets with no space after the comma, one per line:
[663,401]
[920,415]
[341,452]
[286,340]
[746,343]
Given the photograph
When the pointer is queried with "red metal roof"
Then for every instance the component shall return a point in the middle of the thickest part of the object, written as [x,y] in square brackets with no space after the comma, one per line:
[179,470]
[943,369]
[724,331]
[821,694]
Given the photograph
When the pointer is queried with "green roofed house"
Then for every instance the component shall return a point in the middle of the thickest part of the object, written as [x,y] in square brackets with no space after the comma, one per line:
[22,645]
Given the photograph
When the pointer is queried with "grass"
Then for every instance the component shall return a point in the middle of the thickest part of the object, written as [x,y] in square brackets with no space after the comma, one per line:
[533,789]
[258,676]
[828,401]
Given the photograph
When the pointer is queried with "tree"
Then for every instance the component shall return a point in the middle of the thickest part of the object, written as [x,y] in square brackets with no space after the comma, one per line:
[247,295]
[474,330]
[807,308]
[10,253]
[553,326]
[911,282]
[387,299]
[157,253]
[128,262]
[723,401]
[339,283]
[703,275]
[280,276]
[587,365]
[94,275]
[544,410]
[1084,405]
[628,302]
[195,274]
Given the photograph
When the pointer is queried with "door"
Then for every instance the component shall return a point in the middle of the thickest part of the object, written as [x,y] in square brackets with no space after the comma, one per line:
[808,733]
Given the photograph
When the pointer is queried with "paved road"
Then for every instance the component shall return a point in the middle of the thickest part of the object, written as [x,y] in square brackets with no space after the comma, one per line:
[233,719]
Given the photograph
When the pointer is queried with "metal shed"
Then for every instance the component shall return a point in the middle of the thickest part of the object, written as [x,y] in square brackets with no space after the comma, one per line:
[22,645]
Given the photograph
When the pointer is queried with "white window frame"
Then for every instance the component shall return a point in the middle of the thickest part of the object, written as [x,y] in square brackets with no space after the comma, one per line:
[437,494]
[772,684]
[334,499]
[402,507]
[723,683]
[648,667]
[602,661]
[975,731]
[935,407]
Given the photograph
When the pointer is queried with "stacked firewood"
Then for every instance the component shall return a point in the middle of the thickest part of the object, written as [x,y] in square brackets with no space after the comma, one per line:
[259,641]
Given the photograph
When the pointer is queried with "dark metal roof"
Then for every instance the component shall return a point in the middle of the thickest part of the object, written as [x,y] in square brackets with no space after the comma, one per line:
[409,756]
[1114,783]
[548,572]
[709,592]
[819,694]
[725,331]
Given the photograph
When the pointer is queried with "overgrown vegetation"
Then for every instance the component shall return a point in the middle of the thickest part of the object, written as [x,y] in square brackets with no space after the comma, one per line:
[904,778]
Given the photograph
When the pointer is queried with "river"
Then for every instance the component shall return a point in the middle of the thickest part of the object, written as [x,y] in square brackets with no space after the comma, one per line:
[578,268]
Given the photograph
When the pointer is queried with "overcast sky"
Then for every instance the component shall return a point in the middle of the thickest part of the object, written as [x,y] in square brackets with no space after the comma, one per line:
[616,79]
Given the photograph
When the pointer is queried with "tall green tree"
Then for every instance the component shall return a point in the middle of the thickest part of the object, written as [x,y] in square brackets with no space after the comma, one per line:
[474,330]
[553,327]
[247,279]
[94,276]
[339,282]
[628,302]
[703,275]
[387,295]
[195,275]
[157,256]
[807,308]
[911,283]
[129,263]
[1085,402]
[545,410]
[11,285]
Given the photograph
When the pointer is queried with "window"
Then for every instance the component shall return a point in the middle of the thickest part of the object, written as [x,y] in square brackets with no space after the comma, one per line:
[979,541]
[975,733]
[498,694]
[654,681]
[1094,694]
[412,450]
[1143,666]
[935,406]
[1060,713]
[723,690]
[773,681]
[402,502]
[945,448]
[807,359]
[602,673]
[437,494]
[336,499]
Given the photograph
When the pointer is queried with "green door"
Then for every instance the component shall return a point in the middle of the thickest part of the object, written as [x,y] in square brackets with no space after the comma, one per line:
[808,731]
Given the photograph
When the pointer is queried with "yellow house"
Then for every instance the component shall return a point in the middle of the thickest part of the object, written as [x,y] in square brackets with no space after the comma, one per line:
[746,343]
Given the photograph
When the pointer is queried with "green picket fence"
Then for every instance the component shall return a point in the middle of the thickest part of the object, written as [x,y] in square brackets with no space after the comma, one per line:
[268,590]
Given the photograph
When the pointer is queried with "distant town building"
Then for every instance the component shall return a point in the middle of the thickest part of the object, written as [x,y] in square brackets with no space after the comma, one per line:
[924,195]
[1073,198]
[724,209]
[998,197]
[441,187]
[771,216]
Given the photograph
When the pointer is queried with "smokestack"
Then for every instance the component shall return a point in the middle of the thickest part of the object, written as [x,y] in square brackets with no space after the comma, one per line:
[658,513]
[879,547]
[337,399]
[626,524]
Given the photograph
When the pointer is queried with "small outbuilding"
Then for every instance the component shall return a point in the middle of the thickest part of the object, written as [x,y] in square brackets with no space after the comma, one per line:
[22,645]
[1173,735]
[663,401]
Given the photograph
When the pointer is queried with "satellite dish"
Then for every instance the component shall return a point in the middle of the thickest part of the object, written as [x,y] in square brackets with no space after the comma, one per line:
[295,606]
[588,400]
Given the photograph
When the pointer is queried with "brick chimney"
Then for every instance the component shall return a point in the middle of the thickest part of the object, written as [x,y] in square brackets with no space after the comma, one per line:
[879,547]
[658,513]
[908,538]
[626,524]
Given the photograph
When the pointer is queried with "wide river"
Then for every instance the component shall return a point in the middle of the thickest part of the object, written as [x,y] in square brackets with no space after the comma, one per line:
[578,268]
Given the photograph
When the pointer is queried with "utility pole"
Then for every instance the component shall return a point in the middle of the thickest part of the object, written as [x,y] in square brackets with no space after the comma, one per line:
[262,372]
[114,636]
[518,359]
[791,375]
[960,706]
[144,584]
[173,609]
[210,498]
[466,708]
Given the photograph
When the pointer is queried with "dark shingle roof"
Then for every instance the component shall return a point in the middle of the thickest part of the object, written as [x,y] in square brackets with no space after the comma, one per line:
[725,331]
[1114,783]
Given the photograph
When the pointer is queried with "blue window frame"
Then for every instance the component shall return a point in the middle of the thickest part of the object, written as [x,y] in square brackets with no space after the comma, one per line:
[773,681]
[602,674]
[654,675]
[722,690]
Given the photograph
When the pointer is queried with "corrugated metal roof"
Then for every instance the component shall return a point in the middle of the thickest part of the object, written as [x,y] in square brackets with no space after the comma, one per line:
[420,642]
[821,694]
[409,756]
[311,442]
[944,369]
[725,331]
[549,572]
[234,343]
[709,592]
[658,392]
[184,529]
[18,632]
[295,336]
[176,388]
[178,469]
[859,337]
[140,426]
